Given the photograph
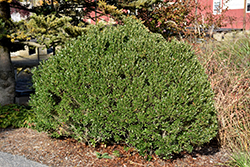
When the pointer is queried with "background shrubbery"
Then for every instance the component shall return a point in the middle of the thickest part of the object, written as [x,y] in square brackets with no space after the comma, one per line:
[125,84]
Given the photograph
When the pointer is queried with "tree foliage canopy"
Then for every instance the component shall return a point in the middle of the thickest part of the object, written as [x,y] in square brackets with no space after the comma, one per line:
[168,17]
[49,30]
[172,17]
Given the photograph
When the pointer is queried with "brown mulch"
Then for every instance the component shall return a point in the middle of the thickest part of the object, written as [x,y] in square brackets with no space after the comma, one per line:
[69,153]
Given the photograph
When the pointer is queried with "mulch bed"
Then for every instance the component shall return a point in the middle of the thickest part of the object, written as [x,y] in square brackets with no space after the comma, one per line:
[68,152]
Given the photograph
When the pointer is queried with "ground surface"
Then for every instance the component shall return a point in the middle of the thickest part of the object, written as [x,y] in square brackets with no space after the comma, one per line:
[8,160]
[68,152]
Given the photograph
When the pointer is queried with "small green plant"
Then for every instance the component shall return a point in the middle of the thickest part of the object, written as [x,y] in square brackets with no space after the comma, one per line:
[104,155]
[240,159]
[239,148]
[15,116]
[126,148]
[149,158]
[124,84]
[116,153]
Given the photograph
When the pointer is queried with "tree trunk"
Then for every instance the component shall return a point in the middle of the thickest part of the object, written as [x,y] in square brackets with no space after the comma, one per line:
[7,76]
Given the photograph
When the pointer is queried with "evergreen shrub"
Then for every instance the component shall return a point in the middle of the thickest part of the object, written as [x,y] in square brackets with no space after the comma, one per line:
[125,84]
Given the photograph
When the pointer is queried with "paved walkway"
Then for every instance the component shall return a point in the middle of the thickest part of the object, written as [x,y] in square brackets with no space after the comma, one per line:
[8,160]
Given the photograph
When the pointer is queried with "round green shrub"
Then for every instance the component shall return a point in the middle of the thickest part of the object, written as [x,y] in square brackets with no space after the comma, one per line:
[125,84]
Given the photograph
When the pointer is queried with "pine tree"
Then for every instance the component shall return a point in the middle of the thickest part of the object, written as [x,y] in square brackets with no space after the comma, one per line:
[48,30]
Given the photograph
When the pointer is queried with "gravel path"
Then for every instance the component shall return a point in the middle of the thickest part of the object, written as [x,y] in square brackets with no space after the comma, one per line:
[8,160]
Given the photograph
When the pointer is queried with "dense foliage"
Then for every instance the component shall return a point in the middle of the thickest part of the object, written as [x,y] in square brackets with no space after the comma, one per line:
[125,84]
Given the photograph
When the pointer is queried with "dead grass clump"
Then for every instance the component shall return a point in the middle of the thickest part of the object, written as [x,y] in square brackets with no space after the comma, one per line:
[227,65]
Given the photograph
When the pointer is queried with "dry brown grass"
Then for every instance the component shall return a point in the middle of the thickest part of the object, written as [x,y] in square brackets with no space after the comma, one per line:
[228,67]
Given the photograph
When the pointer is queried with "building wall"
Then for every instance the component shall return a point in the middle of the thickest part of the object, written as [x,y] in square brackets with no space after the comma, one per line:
[238,15]
[99,18]
[236,11]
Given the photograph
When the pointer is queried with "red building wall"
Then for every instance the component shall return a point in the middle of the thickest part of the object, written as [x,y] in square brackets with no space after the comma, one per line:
[236,14]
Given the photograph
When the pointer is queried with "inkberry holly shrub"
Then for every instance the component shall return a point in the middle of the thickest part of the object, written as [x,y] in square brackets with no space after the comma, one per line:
[125,84]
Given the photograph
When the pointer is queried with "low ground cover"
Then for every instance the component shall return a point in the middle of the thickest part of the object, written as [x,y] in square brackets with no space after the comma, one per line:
[15,116]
